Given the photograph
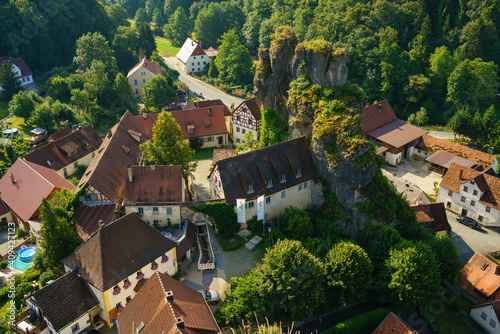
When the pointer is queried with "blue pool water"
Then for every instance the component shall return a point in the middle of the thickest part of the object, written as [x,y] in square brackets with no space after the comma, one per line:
[20,265]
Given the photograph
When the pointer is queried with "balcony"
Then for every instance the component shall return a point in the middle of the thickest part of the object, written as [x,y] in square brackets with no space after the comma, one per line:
[22,325]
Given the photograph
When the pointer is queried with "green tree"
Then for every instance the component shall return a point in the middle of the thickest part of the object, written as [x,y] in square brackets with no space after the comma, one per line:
[157,93]
[125,45]
[141,17]
[43,116]
[460,122]
[442,63]
[9,82]
[416,88]
[118,15]
[411,276]
[233,60]
[124,92]
[213,72]
[379,247]
[490,123]
[168,146]
[21,105]
[447,257]
[58,87]
[177,29]
[291,279]
[195,143]
[59,237]
[273,128]
[88,109]
[248,144]
[349,268]
[420,118]
[96,80]
[147,43]
[94,47]
[223,215]
[294,224]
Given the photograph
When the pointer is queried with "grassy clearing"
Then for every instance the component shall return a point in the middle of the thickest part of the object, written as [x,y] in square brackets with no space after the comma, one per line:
[23,128]
[4,109]
[165,48]
[450,322]
[204,153]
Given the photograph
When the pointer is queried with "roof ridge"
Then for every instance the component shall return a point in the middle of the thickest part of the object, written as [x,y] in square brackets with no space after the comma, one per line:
[33,169]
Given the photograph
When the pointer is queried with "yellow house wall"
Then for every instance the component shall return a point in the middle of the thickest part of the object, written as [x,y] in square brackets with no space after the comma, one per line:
[137,76]
[71,169]
[215,142]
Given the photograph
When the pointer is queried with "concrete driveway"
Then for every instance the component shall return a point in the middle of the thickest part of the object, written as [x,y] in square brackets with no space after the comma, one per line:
[199,179]
[195,85]
[469,241]
[416,172]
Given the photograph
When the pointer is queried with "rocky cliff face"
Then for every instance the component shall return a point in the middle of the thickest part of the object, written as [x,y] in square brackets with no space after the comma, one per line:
[308,82]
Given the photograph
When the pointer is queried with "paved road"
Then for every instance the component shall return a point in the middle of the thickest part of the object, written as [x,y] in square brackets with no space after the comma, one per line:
[441,134]
[469,240]
[198,86]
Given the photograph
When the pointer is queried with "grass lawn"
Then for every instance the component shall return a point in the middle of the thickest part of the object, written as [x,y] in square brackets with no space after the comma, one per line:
[450,322]
[165,48]
[4,109]
[24,130]
[204,153]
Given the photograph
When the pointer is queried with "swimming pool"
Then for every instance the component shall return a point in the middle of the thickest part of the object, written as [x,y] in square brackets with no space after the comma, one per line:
[20,265]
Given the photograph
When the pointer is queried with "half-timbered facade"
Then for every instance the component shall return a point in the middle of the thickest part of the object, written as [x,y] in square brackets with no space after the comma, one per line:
[246,118]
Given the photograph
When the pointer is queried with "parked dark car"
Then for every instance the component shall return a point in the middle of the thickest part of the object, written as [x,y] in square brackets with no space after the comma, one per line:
[468,221]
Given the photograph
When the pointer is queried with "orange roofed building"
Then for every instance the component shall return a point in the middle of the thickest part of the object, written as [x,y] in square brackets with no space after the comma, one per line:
[393,324]
[481,278]
[164,305]
[22,189]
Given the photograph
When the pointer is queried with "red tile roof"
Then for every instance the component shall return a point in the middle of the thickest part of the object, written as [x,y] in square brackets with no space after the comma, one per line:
[55,154]
[3,208]
[209,103]
[32,184]
[151,308]
[198,117]
[393,324]
[479,279]
[19,62]
[154,185]
[488,184]
[145,64]
[87,218]
[432,144]
[377,115]
[123,247]
[107,171]
[435,214]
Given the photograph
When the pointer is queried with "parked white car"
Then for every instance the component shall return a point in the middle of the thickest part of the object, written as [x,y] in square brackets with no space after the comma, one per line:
[211,296]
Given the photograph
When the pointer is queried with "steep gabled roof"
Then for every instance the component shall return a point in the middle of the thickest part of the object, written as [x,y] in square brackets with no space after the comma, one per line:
[154,185]
[64,300]
[256,167]
[253,106]
[87,218]
[31,184]
[208,103]
[188,49]
[377,115]
[495,304]
[19,62]
[222,153]
[147,65]
[55,154]
[151,308]
[118,250]
[107,171]
[479,275]
[432,144]
[487,183]
[393,324]
[433,213]
[396,133]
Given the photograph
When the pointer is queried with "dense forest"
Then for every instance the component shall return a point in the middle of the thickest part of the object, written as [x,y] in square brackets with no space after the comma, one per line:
[440,55]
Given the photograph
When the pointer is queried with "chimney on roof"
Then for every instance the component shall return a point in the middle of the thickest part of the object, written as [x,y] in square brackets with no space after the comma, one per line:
[460,175]
[209,111]
[101,223]
[169,296]
[145,114]
[152,164]
[379,107]
[116,214]
[12,178]
[129,169]
[117,118]
[109,133]
[179,324]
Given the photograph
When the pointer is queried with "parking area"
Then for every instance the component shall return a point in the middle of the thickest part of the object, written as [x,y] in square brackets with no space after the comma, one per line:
[416,172]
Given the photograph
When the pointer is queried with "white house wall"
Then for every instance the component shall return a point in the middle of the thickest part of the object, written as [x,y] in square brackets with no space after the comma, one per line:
[162,216]
[476,312]
[393,159]
[197,64]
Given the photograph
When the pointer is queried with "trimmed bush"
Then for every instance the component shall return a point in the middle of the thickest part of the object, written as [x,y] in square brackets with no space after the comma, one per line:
[364,323]
[3,264]
[47,276]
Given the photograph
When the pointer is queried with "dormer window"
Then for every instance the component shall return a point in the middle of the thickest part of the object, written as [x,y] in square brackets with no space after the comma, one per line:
[299,172]
[283,178]
[209,111]
[269,183]
[190,129]
[250,189]
[72,153]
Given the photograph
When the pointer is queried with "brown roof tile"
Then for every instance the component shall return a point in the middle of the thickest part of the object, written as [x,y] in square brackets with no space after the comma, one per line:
[186,242]
[118,250]
[158,315]
[154,185]
[55,154]
[377,115]
[222,153]
[393,324]
[87,218]
[251,168]
[145,64]
[488,184]
[32,183]
[435,214]
[479,274]
[445,159]
[209,103]
[432,144]
[396,133]
[107,171]
[253,106]
[64,300]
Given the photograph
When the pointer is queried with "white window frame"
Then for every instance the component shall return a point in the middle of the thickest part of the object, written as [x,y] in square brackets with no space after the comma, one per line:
[283,194]
[169,211]
[155,210]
